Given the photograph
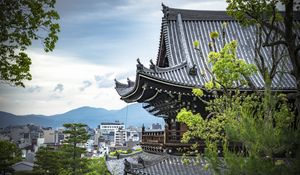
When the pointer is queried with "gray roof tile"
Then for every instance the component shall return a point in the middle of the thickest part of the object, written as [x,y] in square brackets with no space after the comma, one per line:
[180,28]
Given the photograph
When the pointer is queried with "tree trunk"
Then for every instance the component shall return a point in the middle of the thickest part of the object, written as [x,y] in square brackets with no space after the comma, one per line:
[290,38]
[297,102]
[74,158]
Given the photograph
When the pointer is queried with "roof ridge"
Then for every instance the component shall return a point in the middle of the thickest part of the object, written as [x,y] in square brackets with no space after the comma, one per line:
[188,14]
[165,69]
[193,14]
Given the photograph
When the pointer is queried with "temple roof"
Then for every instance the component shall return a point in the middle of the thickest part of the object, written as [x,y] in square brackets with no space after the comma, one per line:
[179,64]
[159,165]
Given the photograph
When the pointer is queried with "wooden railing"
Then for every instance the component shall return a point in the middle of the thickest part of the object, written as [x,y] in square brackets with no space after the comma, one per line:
[153,137]
[174,136]
[159,141]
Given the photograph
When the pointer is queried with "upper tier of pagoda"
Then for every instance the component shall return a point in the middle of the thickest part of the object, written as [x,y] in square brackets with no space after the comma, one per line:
[179,67]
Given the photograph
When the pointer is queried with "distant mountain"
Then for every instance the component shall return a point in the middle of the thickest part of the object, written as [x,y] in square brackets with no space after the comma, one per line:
[132,115]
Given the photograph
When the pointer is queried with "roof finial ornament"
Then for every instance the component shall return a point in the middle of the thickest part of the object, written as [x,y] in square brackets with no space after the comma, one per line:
[116,82]
[139,66]
[143,128]
[119,85]
[165,9]
[129,82]
[193,70]
[127,166]
[152,65]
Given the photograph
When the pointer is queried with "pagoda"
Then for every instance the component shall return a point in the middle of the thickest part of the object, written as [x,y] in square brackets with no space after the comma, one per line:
[166,85]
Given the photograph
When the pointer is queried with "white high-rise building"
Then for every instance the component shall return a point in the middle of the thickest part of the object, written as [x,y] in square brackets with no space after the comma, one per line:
[111,132]
[120,137]
[107,127]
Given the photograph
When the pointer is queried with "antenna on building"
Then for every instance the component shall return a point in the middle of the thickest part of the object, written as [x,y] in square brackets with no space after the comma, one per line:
[126,116]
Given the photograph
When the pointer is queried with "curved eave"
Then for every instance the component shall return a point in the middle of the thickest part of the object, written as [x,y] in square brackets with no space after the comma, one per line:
[136,92]
[145,76]
[123,89]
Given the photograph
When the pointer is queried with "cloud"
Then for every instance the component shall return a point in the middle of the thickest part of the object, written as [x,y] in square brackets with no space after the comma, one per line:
[116,32]
[86,84]
[50,69]
[54,97]
[58,88]
[99,41]
[104,81]
[33,89]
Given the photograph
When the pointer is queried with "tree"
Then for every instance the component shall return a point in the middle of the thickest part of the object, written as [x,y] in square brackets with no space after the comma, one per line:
[9,155]
[68,159]
[48,161]
[76,137]
[252,131]
[97,166]
[23,21]
[266,14]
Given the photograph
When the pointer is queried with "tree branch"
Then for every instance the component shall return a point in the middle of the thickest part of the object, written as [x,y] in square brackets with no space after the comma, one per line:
[272,24]
[275,43]
[297,49]
[264,23]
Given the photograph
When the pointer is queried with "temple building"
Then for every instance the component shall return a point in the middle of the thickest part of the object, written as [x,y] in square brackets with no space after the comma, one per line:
[166,85]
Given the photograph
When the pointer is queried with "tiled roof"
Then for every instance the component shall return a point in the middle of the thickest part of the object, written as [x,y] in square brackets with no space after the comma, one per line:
[116,166]
[173,165]
[160,165]
[180,28]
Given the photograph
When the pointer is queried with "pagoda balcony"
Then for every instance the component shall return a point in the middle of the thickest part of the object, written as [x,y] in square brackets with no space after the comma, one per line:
[163,141]
[153,141]
[153,137]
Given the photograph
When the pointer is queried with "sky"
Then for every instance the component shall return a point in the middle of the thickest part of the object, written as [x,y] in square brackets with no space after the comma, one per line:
[99,41]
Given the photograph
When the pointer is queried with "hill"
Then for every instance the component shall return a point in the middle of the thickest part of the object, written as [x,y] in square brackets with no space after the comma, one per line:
[132,115]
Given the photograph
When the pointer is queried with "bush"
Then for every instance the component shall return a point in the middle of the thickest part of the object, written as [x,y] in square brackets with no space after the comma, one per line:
[139,149]
[26,173]
[129,151]
[114,153]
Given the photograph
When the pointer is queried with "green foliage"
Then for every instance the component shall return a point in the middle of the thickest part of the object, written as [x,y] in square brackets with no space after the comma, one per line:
[26,173]
[67,159]
[209,85]
[21,22]
[258,10]
[265,134]
[250,130]
[9,155]
[209,128]
[185,160]
[138,149]
[198,92]
[214,35]
[76,132]
[97,166]
[48,161]
[77,135]
[196,44]
[115,153]
[227,68]
[129,151]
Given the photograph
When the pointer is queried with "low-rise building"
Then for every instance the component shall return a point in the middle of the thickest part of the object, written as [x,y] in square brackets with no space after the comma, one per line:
[23,166]
[53,137]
